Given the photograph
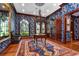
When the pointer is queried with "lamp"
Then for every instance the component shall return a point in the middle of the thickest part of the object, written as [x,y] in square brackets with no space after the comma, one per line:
[39,5]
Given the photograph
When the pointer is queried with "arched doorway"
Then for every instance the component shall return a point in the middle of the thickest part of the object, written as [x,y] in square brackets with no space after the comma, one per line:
[24,28]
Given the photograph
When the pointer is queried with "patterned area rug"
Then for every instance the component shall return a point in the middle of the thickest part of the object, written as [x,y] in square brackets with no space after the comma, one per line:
[29,48]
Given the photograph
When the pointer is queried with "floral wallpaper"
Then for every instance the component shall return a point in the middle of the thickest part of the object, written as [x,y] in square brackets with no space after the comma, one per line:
[29,19]
[64,10]
[76,28]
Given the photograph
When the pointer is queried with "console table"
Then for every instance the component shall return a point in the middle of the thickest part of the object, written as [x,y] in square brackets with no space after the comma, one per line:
[36,36]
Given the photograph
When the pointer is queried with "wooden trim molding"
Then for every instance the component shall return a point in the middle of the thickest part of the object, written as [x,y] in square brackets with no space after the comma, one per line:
[45,26]
[9,18]
[63,4]
[29,15]
[53,12]
[73,11]
[64,29]
[9,23]
[4,11]
[69,13]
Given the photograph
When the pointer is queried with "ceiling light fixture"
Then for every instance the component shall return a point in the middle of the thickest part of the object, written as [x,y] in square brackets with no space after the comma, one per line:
[39,4]
[54,4]
[43,14]
[34,12]
[48,11]
[22,4]
[3,6]
[23,10]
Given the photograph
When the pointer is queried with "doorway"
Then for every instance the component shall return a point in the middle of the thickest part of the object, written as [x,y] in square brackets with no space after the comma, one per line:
[71,24]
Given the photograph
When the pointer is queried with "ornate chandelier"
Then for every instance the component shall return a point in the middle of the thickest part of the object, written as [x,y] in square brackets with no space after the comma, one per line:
[39,4]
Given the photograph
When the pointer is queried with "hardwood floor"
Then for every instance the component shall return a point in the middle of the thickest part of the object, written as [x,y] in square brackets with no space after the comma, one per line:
[68,44]
[12,48]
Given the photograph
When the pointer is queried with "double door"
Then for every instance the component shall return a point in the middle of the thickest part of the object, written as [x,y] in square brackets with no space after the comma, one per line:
[58,29]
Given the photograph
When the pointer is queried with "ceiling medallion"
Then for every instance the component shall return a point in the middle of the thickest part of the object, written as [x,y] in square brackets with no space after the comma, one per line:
[39,4]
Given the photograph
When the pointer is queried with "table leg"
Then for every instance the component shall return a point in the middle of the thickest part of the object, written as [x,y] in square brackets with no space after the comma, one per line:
[36,42]
[41,39]
[45,42]
[34,39]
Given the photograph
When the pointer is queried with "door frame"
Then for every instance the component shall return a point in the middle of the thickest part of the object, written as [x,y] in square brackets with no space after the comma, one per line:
[69,13]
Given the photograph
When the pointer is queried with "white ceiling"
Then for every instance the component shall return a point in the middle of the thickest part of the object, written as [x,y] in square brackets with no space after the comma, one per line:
[31,8]
[76,14]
